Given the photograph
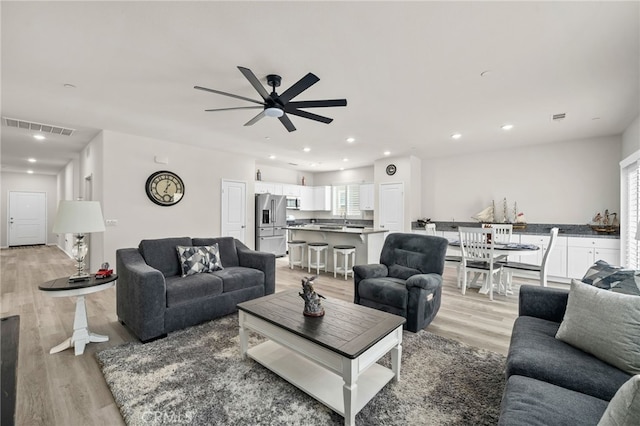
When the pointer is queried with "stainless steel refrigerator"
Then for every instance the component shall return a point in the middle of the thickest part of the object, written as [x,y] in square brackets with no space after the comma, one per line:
[271,221]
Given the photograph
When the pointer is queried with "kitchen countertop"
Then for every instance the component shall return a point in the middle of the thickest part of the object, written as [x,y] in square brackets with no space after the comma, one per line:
[358,230]
[565,230]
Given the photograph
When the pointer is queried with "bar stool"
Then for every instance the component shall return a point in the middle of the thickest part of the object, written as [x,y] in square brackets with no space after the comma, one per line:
[344,250]
[317,247]
[296,244]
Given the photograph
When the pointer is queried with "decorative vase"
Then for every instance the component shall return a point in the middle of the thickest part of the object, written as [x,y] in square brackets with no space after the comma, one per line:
[312,306]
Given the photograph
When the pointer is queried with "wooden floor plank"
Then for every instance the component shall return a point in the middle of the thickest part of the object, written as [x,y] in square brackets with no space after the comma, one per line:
[62,389]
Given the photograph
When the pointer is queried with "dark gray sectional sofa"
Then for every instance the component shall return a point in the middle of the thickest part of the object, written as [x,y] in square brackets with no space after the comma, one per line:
[548,381]
[154,299]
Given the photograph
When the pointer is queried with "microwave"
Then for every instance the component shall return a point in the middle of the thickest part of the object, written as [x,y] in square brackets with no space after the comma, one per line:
[293,203]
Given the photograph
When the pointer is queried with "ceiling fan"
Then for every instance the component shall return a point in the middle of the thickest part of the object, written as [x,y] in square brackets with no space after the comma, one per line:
[274,105]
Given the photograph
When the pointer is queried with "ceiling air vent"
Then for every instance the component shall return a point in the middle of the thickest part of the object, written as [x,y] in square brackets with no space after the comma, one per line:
[558,117]
[37,127]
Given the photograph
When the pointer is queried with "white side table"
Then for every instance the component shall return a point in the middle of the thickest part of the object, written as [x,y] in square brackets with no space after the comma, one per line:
[61,287]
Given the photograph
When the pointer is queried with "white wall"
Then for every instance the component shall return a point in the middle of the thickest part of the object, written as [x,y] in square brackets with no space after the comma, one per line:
[564,183]
[408,172]
[128,162]
[28,183]
[631,138]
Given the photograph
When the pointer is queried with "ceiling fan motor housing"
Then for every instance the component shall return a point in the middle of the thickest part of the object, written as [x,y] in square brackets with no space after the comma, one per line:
[274,80]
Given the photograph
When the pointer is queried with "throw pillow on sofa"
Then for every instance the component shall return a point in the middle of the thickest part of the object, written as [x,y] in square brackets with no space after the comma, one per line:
[614,278]
[624,407]
[604,324]
[199,259]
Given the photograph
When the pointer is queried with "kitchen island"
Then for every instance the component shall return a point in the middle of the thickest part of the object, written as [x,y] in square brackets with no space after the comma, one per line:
[367,241]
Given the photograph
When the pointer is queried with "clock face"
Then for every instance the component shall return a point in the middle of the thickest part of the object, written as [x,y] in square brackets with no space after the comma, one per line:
[391,169]
[165,188]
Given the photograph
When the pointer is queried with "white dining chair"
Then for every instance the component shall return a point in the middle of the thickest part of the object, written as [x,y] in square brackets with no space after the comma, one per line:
[529,270]
[430,228]
[504,231]
[478,256]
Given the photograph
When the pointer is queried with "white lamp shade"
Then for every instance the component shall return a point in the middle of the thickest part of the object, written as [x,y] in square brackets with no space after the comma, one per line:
[78,217]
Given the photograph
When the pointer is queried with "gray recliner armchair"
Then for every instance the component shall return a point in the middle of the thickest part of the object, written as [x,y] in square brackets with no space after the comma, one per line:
[408,280]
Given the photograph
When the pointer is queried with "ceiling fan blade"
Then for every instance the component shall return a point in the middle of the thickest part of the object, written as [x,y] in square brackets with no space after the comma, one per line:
[228,94]
[319,104]
[287,123]
[255,119]
[229,109]
[308,115]
[303,84]
[249,75]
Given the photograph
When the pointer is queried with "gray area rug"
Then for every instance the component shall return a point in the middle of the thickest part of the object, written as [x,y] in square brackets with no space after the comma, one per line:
[196,376]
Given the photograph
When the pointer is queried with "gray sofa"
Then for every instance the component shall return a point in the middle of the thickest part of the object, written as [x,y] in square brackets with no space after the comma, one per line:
[548,381]
[154,299]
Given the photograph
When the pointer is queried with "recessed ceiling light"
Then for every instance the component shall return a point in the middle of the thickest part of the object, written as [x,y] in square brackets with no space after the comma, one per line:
[31,160]
[456,136]
[506,126]
[387,153]
[341,168]
[39,137]
[272,157]
[306,149]
[30,172]
[350,140]
[345,159]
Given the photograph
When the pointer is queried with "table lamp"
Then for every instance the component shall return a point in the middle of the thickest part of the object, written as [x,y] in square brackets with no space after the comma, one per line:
[79,218]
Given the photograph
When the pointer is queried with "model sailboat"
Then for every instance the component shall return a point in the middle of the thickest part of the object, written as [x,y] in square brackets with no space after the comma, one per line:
[485,215]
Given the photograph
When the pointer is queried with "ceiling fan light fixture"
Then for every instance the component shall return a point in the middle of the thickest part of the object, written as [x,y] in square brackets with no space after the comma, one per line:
[273,112]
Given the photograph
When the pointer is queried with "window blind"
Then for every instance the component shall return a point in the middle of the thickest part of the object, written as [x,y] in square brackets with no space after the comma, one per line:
[632,173]
[346,200]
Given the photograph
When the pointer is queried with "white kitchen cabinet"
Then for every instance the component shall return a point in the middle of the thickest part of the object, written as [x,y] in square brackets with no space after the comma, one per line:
[367,196]
[584,252]
[306,198]
[261,187]
[557,263]
[322,198]
[292,190]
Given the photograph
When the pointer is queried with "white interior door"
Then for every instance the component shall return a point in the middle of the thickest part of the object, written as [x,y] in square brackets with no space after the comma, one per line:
[234,209]
[391,207]
[27,218]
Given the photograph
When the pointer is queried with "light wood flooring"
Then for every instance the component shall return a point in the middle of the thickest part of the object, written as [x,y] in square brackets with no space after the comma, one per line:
[62,389]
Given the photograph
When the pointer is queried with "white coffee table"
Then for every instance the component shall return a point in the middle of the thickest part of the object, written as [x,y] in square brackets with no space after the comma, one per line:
[332,358]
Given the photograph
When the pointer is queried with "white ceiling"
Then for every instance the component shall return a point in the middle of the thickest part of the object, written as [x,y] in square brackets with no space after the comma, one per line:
[411,72]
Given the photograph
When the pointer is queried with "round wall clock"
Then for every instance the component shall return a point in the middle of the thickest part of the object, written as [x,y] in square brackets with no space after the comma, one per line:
[391,169]
[165,188]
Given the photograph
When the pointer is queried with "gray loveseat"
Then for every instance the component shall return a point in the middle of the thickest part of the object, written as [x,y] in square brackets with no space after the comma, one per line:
[548,381]
[154,299]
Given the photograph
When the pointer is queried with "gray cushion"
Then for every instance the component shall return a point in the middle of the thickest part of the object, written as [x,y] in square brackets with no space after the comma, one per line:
[531,402]
[604,324]
[624,408]
[423,252]
[193,287]
[160,254]
[614,278]
[238,277]
[535,352]
[388,291]
[402,272]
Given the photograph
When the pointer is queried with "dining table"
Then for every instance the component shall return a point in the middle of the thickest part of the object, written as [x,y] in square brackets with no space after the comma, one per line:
[500,252]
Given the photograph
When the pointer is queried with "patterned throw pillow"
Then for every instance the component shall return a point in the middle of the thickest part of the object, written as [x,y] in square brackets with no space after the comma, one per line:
[215,264]
[614,278]
[199,259]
